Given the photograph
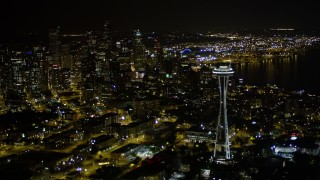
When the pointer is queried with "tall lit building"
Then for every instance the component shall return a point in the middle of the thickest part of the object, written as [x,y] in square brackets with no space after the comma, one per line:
[138,52]
[107,40]
[16,92]
[55,63]
[88,77]
[67,60]
[91,37]
[34,75]
[222,143]
[65,78]
[105,56]
[5,67]
[43,59]
[78,54]
[55,46]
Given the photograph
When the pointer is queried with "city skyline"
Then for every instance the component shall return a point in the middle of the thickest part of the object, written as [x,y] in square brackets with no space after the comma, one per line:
[135,90]
[166,16]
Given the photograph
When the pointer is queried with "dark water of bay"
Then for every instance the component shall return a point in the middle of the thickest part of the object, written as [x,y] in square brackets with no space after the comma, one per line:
[298,72]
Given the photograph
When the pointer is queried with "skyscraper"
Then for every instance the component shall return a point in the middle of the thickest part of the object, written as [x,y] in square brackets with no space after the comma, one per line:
[55,57]
[107,40]
[105,52]
[222,144]
[41,54]
[17,87]
[138,52]
[55,46]
[34,75]
[88,77]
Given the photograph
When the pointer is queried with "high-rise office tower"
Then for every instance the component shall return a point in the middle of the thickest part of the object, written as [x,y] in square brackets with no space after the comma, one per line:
[115,75]
[55,63]
[16,88]
[42,57]
[206,82]
[78,54]
[34,75]
[138,52]
[89,69]
[5,67]
[67,60]
[105,52]
[158,55]
[222,143]
[88,77]
[65,78]
[107,40]
[92,42]
[55,46]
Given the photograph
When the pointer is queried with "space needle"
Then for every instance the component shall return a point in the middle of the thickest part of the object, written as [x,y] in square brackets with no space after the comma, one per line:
[222,143]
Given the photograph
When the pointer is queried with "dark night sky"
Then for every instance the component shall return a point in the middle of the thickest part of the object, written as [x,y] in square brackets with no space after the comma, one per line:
[154,15]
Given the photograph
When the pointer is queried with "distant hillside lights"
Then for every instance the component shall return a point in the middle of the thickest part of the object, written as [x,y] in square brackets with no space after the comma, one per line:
[282,29]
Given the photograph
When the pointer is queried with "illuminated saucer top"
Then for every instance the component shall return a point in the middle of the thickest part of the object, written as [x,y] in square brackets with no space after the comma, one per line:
[223,70]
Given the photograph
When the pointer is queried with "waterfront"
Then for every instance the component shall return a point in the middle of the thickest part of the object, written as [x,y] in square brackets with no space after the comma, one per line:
[298,72]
